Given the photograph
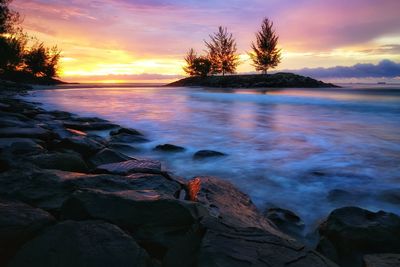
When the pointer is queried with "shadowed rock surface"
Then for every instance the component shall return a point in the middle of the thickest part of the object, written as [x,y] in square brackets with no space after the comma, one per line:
[382,260]
[169,148]
[106,156]
[131,166]
[60,161]
[81,244]
[18,224]
[286,220]
[351,232]
[203,154]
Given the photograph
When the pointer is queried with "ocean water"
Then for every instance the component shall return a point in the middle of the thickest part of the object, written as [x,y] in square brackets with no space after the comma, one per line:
[291,148]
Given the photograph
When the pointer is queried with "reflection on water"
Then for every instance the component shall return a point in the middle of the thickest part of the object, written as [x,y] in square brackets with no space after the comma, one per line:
[288,148]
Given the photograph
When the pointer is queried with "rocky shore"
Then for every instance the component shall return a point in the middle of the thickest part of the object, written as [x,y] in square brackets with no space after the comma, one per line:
[277,80]
[71,198]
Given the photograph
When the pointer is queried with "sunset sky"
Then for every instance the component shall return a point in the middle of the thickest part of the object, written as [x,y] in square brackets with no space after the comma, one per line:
[145,40]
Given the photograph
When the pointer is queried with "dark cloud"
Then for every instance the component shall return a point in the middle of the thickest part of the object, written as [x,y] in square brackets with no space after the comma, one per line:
[384,69]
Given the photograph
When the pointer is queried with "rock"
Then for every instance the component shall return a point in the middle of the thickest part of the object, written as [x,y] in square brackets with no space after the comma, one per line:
[70,161]
[81,244]
[14,123]
[156,223]
[163,186]
[18,224]
[131,166]
[286,221]
[88,119]
[127,138]
[61,115]
[202,154]
[169,148]
[81,144]
[350,232]
[126,131]
[123,148]
[34,132]
[382,260]
[21,145]
[106,156]
[390,196]
[89,126]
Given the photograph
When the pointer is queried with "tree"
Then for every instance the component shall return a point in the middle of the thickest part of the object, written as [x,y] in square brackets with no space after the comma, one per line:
[41,61]
[222,52]
[8,17]
[196,65]
[265,54]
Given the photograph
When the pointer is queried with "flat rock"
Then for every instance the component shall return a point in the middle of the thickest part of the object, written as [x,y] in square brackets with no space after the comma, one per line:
[34,132]
[382,260]
[81,244]
[131,166]
[127,138]
[69,161]
[89,126]
[106,156]
[126,131]
[351,232]
[287,221]
[202,154]
[18,224]
[169,148]
[154,221]
[81,144]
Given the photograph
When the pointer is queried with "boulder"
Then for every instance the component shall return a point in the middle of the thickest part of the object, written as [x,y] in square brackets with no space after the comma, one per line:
[32,132]
[89,126]
[131,166]
[169,148]
[351,232]
[18,224]
[203,154]
[81,144]
[81,244]
[156,222]
[382,260]
[126,131]
[287,221]
[127,138]
[21,145]
[106,156]
[70,161]
[122,147]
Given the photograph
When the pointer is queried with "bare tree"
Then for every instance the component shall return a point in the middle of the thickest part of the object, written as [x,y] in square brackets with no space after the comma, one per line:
[265,54]
[222,52]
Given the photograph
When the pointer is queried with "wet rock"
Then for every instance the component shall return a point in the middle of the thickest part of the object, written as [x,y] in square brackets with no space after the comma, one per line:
[286,221]
[18,224]
[382,260]
[81,244]
[390,196]
[350,232]
[106,156]
[21,145]
[131,166]
[128,138]
[156,223]
[88,119]
[70,161]
[202,154]
[89,126]
[123,148]
[81,144]
[126,131]
[142,181]
[169,148]
[60,115]
[14,123]
[34,132]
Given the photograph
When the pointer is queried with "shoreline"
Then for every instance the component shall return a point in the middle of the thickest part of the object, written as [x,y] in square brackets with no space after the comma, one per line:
[51,163]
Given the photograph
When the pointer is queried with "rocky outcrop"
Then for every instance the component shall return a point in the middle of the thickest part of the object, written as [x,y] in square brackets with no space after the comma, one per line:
[253,81]
[203,154]
[382,260]
[351,232]
[81,244]
[106,156]
[131,166]
[18,224]
[287,221]
[61,161]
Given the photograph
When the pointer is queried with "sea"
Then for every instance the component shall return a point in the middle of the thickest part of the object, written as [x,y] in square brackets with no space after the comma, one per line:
[306,150]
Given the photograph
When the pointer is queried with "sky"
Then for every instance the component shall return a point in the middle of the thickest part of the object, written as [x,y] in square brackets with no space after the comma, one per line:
[146,40]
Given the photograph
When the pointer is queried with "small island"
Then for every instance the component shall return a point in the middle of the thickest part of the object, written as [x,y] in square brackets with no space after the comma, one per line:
[277,80]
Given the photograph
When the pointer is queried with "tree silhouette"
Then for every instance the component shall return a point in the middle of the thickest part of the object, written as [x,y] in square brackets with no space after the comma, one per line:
[8,18]
[222,52]
[196,65]
[41,61]
[265,54]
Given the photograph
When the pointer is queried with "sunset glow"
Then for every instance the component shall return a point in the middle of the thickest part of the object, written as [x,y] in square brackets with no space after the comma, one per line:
[130,40]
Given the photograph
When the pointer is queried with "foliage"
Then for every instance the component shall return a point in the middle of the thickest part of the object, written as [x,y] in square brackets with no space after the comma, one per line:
[17,59]
[196,65]
[265,54]
[222,52]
